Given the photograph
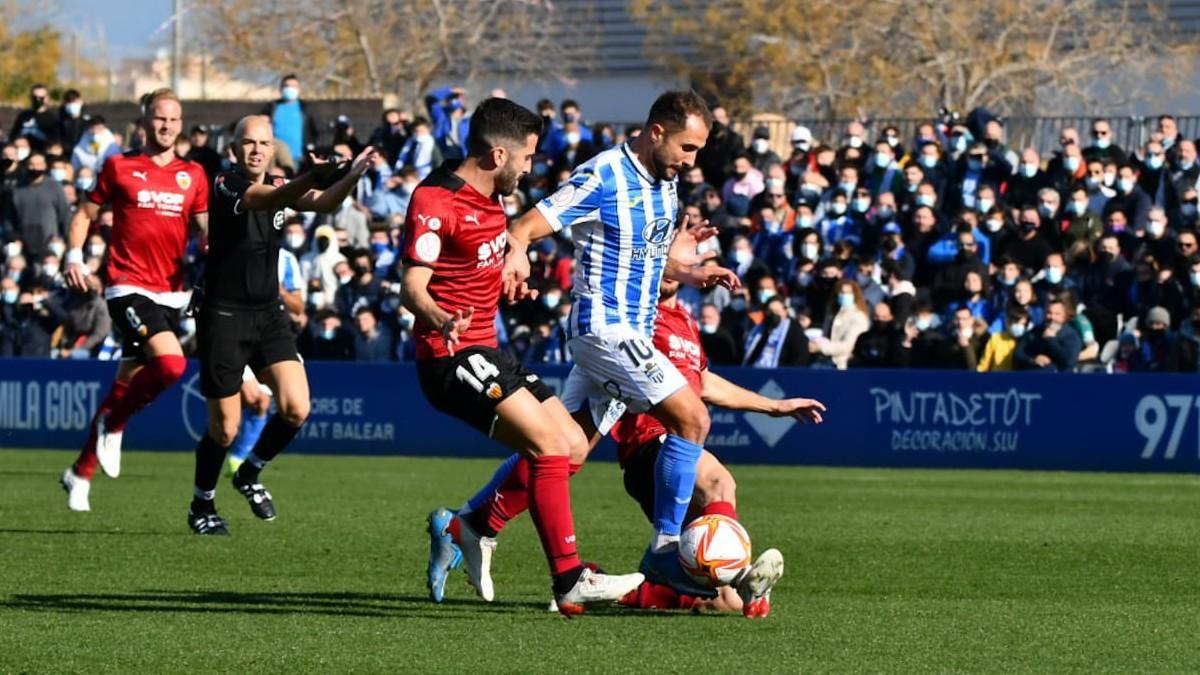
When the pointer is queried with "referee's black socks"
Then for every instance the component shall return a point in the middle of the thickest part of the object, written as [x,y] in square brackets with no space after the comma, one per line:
[209,458]
[275,437]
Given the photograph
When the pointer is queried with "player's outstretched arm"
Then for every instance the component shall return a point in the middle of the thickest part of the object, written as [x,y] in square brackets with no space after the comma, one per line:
[77,272]
[523,231]
[414,294]
[329,199]
[722,393]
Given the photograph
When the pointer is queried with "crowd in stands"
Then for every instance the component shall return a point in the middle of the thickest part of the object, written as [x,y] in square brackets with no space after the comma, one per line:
[949,249]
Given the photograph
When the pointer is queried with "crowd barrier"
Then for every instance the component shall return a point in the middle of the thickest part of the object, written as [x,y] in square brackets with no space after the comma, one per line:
[902,418]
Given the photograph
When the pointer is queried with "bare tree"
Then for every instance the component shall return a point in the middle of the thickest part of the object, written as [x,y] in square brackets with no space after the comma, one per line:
[402,47]
[830,57]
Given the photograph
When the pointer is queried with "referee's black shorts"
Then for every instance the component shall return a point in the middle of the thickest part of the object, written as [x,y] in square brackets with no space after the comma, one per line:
[470,384]
[230,339]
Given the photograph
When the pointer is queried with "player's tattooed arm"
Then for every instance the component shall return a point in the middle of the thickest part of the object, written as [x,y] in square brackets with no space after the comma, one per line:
[722,393]
[77,271]
[522,232]
[414,294]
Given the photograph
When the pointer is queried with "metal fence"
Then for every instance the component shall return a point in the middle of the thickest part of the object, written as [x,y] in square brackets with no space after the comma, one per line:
[1041,133]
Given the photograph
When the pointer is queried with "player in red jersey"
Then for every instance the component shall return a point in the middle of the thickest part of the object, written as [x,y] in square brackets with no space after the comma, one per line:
[639,440]
[455,241]
[155,195]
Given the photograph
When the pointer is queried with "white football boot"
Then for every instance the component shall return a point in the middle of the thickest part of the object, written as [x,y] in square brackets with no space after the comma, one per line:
[477,556]
[594,587]
[77,489]
[108,448]
[755,587]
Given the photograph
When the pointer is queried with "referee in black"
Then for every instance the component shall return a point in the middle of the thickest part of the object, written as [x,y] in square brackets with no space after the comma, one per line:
[241,321]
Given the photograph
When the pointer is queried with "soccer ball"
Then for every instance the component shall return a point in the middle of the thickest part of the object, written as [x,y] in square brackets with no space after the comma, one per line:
[714,550]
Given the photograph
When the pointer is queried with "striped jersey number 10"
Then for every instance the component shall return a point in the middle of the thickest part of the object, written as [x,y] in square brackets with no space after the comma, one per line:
[1152,417]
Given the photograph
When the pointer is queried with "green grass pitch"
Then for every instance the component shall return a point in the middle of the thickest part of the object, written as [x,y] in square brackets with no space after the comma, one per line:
[887,571]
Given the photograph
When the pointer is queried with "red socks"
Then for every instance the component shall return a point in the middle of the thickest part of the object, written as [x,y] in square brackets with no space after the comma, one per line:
[511,499]
[721,509]
[550,508]
[85,465]
[154,378]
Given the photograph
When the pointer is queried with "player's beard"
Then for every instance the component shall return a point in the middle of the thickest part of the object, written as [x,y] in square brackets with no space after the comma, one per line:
[660,166]
[667,289]
[507,179]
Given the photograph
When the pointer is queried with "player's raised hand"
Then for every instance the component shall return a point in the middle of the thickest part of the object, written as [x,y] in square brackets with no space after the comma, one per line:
[691,234]
[806,410]
[77,274]
[364,161]
[455,326]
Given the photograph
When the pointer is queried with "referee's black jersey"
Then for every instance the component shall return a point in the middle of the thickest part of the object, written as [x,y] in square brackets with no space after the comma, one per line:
[243,247]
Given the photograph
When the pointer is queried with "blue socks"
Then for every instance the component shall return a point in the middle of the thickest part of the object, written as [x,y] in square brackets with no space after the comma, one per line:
[252,428]
[674,480]
[480,498]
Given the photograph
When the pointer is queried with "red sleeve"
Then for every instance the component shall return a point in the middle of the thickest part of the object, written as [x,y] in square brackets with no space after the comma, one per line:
[562,273]
[200,185]
[106,184]
[430,221]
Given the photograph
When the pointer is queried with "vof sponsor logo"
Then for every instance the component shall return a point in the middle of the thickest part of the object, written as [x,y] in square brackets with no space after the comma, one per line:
[492,252]
[151,199]
[682,347]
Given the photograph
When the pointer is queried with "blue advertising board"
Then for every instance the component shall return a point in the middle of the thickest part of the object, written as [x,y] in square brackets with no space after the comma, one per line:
[901,418]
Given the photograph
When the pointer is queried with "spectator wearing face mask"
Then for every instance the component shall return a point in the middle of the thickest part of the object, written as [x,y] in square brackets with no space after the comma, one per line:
[881,346]
[761,154]
[95,146]
[846,318]
[1130,198]
[420,151]
[38,123]
[362,289]
[1024,186]
[1157,240]
[1031,248]
[977,167]
[800,161]
[743,261]
[576,150]
[1001,346]
[883,172]
[950,279]
[548,265]
[716,158]
[1185,349]
[1185,172]
[72,121]
[451,123]
[963,343]
[1102,146]
[1155,342]
[318,266]
[36,209]
[1154,178]
[719,344]
[1052,346]
[776,340]
[292,120]
[326,338]
[1055,278]
[389,199]
[922,336]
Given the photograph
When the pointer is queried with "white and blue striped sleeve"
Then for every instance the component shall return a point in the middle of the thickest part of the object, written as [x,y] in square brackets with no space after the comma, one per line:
[579,198]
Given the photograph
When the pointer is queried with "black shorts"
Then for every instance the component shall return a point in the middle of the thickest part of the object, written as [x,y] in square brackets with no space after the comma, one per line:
[137,319]
[228,340]
[639,476]
[470,384]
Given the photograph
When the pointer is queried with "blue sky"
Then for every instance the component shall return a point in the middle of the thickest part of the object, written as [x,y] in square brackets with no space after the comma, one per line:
[128,27]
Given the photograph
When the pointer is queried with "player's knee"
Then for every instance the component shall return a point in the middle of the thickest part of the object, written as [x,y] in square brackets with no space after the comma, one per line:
[171,367]
[295,413]
[261,405]
[554,443]
[693,425]
[223,431]
[577,445]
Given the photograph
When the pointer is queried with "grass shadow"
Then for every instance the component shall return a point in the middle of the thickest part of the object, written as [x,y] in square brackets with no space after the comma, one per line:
[379,605]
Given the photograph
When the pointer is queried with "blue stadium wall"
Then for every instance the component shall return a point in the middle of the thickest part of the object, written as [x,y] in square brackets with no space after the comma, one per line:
[875,418]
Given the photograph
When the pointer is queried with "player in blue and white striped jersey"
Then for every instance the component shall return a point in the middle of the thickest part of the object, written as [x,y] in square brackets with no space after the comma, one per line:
[623,214]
